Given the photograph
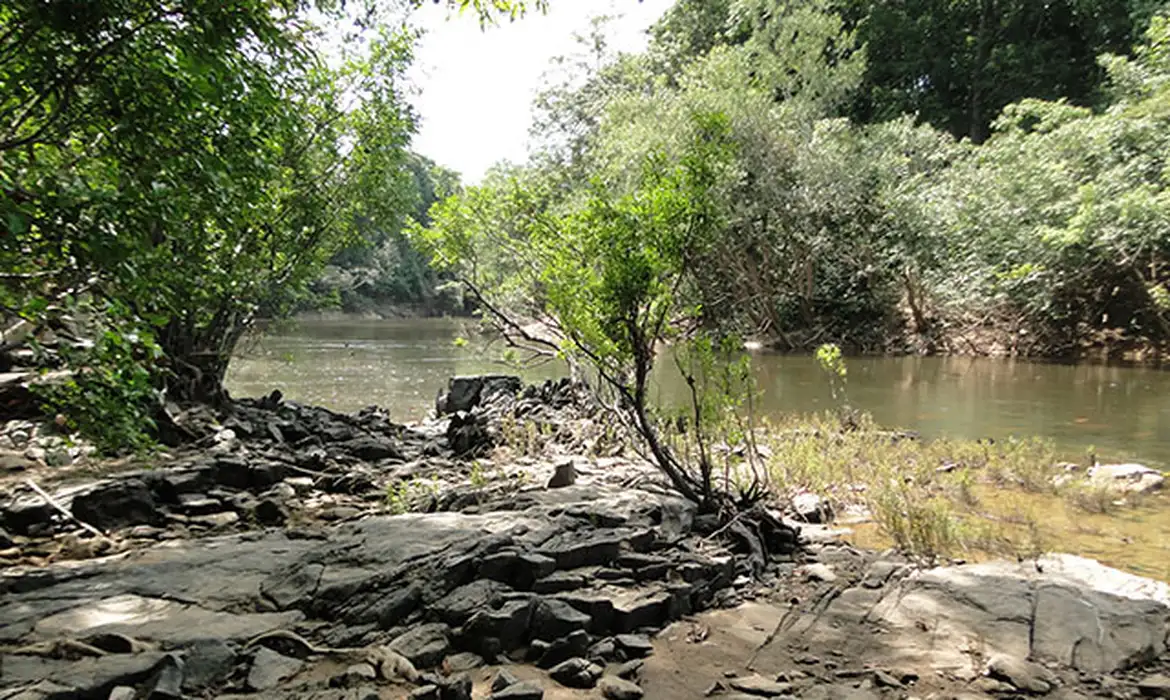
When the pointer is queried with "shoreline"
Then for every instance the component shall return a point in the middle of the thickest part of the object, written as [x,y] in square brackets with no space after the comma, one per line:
[297,552]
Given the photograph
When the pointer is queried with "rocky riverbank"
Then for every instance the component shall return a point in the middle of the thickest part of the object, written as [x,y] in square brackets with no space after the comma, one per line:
[288,551]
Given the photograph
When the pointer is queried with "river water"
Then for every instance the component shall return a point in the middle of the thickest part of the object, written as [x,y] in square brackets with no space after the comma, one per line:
[1123,412]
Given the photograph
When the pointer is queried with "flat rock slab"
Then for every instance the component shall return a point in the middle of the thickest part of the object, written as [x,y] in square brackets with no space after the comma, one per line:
[93,677]
[158,620]
[1062,608]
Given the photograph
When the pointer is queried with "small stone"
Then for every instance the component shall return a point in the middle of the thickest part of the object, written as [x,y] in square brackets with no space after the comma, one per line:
[991,686]
[819,572]
[426,692]
[456,688]
[559,582]
[564,648]
[1022,674]
[463,661]
[503,679]
[301,485]
[168,680]
[634,646]
[280,492]
[15,463]
[884,680]
[36,454]
[576,673]
[1155,686]
[519,691]
[425,645]
[122,692]
[353,676]
[145,532]
[198,503]
[565,475]
[603,651]
[216,521]
[537,648]
[630,670]
[758,685]
[270,511]
[269,669]
[615,688]
[811,508]
[58,457]
[207,661]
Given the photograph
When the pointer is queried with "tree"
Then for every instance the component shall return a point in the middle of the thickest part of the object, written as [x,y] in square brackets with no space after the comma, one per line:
[957,64]
[1060,221]
[381,268]
[607,281]
[171,171]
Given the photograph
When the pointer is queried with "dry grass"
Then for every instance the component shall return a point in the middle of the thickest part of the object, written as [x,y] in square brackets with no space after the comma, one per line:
[932,499]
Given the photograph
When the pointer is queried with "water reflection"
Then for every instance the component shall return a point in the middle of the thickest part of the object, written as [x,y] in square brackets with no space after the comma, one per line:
[1123,411]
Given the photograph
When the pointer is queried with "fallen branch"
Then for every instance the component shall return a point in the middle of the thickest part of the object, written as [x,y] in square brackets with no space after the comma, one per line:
[61,509]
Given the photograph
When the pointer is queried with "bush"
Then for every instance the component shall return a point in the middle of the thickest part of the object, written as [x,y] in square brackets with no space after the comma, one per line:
[110,396]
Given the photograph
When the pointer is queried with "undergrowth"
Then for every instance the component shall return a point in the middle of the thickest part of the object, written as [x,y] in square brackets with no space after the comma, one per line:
[932,499]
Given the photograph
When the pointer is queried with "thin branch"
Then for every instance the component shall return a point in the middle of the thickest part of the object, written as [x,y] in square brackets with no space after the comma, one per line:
[61,509]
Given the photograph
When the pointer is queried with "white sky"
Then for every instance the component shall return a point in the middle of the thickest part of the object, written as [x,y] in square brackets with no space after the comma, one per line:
[476,87]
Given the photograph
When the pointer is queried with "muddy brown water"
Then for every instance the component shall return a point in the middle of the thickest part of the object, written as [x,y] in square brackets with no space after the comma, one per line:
[1122,412]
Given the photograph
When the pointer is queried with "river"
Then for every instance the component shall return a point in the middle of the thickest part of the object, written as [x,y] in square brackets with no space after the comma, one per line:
[1122,412]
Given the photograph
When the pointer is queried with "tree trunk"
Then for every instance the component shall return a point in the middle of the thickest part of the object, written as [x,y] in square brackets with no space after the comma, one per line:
[199,358]
[983,38]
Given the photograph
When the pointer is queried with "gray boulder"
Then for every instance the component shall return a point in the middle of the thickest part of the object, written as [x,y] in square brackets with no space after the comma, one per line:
[118,504]
[576,673]
[1022,674]
[503,679]
[207,662]
[1155,686]
[269,669]
[466,393]
[425,646]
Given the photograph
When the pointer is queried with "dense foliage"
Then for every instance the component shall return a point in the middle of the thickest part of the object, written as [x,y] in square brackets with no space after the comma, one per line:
[171,171]
[850,218]
[381,270]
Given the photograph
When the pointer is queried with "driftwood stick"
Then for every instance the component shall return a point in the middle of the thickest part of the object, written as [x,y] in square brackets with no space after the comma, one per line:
[49,499]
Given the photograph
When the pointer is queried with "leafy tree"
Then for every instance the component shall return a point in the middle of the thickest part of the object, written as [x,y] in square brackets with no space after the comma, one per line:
[172,171]
[606,279]
[1060,220]
[381,267]
[957,64]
